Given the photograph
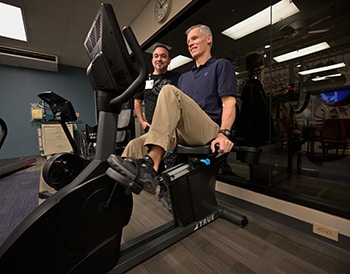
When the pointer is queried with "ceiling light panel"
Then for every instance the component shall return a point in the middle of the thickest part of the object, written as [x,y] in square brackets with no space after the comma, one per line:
[301,52]
[326,77]
[11,22]
[280,11]
[179,61]
[320,69]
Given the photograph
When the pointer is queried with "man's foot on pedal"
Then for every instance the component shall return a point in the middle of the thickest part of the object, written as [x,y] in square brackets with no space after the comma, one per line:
[140,171]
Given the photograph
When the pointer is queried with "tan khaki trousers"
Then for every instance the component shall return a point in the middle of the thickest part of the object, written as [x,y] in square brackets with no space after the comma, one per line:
[177,119]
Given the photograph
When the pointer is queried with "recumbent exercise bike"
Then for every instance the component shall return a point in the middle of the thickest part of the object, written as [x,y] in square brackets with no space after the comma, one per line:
[79,228]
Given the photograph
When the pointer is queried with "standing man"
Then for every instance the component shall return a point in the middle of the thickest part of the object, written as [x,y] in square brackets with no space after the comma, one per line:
[156,81]
[202,110]
[154,84]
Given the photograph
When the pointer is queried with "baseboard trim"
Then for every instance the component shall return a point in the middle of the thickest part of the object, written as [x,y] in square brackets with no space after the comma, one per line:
[271,208]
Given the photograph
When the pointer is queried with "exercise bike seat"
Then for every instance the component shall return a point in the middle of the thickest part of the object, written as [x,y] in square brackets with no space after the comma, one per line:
[247,154]
[193,150]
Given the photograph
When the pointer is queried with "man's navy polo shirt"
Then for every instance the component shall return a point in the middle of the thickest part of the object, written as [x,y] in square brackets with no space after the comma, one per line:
[208,83]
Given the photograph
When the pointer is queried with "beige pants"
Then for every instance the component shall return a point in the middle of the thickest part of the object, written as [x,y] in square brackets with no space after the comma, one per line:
[177,119]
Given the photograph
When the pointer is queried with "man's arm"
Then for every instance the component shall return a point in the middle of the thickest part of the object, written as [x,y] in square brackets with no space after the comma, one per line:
[227,119]
[228,112]
[139,114]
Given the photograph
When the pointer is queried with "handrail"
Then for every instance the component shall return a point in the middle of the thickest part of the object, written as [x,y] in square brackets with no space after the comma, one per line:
[140,80]
[3,131]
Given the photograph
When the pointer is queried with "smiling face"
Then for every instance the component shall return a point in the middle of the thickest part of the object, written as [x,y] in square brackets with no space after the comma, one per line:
[160,60]
[199,43]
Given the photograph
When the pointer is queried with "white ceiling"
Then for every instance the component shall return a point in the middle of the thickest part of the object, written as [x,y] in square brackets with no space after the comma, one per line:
[59,27]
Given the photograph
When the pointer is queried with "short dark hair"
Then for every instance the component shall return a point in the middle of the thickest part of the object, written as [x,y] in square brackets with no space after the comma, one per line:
[161,46]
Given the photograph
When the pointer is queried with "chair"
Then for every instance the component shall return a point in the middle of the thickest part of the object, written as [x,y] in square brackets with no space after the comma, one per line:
[334,135]
[88,141]
[125,130]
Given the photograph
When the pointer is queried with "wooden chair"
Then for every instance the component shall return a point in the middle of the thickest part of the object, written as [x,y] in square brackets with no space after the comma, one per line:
[335,135]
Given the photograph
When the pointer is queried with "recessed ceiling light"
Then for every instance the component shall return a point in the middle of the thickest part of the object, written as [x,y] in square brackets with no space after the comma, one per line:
[270,15]
[301,52]
[326,77]
[324,68]
[11,22]
[179,61]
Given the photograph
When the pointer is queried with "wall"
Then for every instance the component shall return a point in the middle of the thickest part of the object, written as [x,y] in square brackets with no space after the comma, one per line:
[20,87]
[298,212]
[145,25]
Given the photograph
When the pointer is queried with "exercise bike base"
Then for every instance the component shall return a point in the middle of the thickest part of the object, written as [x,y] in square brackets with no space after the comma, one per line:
[73,231]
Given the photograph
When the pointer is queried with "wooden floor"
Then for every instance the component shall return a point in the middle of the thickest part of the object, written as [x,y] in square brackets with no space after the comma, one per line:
[263,246]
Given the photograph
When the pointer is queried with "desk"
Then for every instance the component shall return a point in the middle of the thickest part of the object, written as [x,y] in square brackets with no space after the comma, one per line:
[54,140]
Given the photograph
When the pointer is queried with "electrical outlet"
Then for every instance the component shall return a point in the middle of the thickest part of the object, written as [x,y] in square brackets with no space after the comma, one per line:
[325,231]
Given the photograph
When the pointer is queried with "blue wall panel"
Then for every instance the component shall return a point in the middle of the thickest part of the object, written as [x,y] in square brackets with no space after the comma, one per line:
[19,88]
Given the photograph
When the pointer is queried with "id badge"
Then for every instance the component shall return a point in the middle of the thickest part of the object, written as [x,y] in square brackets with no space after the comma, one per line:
[149,84]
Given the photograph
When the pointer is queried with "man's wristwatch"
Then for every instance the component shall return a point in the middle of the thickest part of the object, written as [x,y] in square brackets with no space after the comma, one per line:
[227,133]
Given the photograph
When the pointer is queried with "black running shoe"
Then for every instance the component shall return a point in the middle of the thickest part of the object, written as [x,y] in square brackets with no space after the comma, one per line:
[138,171]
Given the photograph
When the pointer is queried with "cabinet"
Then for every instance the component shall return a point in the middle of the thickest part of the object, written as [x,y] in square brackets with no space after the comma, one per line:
[52,139]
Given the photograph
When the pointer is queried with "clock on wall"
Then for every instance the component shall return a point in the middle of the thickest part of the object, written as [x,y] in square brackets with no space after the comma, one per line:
[162,10]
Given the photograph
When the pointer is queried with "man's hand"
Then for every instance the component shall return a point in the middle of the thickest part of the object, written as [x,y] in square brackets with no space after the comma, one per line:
[145,125]
[225,144]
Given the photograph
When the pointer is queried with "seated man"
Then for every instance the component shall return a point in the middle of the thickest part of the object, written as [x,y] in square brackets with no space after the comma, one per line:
[200,111]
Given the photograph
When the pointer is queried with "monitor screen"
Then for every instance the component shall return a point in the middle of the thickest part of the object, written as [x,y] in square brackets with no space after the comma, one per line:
[111,68]
[334,96]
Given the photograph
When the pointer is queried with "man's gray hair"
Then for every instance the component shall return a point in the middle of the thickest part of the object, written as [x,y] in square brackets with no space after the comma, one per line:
[205,30]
